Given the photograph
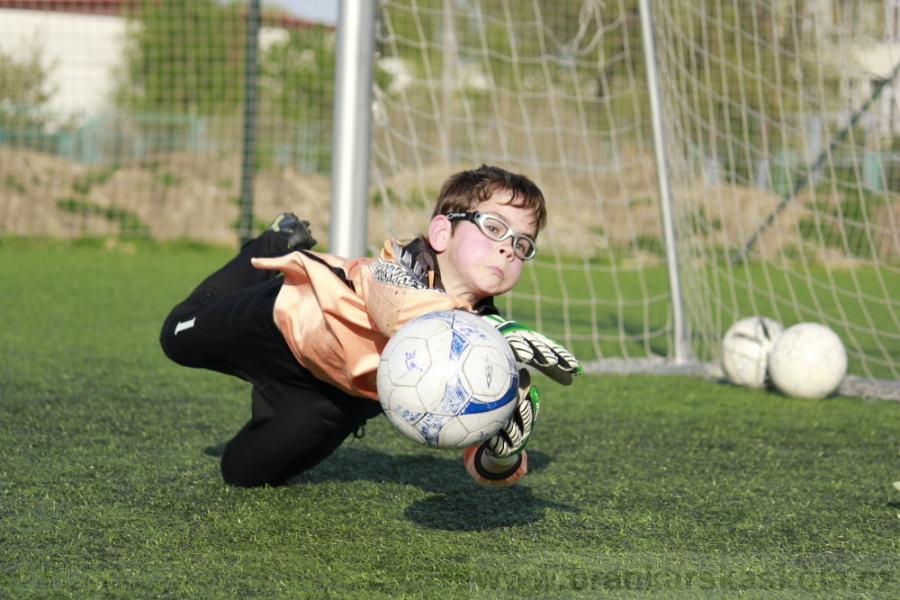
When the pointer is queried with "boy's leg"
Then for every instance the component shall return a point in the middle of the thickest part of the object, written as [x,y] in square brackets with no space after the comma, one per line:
[286,232]
[228,315]
[297,420]
[227,325]
[237,274]
[295,425]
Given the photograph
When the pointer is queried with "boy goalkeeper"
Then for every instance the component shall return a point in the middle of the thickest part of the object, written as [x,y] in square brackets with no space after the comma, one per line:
[309,342]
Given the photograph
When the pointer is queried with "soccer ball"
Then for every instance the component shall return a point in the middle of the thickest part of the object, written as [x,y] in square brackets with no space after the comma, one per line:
[447,379]
[745,350]
[808,361]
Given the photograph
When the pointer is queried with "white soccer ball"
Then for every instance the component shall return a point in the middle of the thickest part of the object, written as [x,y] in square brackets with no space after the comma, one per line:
[745,350]
[447,379]
[808,361]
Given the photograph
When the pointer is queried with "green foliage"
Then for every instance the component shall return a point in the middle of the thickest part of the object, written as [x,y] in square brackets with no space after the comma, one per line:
[733,52]
[130,225]
[169,180]
[296,76]
[417,198]
[189,58]
[662,487]
[700,223]
[257,225]
[184,57]
[757,48]
[588,50]
[12,182]
[97,177]
[23,91]
[296,100]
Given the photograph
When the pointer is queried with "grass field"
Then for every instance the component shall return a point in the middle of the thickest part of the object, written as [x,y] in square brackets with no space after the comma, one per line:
[641,487]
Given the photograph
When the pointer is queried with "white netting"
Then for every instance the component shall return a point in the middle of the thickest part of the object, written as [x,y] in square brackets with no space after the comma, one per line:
[553,90]
[781,122]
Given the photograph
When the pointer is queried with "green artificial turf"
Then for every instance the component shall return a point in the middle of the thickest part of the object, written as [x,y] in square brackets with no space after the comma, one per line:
[639,486]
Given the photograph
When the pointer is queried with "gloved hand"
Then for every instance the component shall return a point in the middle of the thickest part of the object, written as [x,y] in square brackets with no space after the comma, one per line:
[502,474]
[537,350]
[513,436]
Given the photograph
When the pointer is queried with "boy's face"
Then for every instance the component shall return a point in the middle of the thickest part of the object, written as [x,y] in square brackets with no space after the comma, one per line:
[473,266]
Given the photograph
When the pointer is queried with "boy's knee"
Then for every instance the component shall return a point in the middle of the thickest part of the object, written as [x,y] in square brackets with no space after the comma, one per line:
[236,472]
[240,478]
[169,341]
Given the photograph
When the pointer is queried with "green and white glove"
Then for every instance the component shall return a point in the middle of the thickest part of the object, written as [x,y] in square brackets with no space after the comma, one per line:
[537,350]
[513,436]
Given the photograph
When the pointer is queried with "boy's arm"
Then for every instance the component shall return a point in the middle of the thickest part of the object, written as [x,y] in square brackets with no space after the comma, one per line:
[502,459]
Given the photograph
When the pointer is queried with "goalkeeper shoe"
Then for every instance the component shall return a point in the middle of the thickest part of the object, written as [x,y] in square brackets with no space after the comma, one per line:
[297,232]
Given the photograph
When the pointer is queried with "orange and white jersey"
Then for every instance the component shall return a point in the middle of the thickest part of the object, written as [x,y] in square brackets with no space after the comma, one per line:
[337,316]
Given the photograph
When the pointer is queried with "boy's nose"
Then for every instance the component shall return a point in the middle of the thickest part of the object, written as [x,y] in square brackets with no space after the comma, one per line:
[506,249]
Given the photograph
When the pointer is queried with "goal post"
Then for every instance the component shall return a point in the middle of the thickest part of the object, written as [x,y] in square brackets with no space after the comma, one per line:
[682,351]
[352,127]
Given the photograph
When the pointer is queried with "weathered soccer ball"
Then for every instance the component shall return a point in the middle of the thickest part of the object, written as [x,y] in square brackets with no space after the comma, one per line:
[745,350]
[809,360]
[447,379]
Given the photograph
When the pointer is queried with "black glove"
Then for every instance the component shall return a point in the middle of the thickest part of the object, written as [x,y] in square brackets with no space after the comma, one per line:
[513,436]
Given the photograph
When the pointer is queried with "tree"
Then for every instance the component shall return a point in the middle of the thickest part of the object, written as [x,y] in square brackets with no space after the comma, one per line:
[297,75]
[184,57]
[23,90]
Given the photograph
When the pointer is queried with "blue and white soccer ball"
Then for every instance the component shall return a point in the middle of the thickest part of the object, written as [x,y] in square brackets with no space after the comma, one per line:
[447,379]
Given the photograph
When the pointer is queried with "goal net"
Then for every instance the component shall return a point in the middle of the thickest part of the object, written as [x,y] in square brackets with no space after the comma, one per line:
[553,90]
[780,126]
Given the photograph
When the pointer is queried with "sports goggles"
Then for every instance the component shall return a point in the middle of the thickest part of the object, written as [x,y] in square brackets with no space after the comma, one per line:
[498,230]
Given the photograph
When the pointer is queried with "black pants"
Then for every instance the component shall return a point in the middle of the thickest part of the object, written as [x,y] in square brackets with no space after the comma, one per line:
[226,325]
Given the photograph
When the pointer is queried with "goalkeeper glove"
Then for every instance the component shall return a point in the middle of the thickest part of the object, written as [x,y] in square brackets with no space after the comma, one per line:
[537,350]
[512,437]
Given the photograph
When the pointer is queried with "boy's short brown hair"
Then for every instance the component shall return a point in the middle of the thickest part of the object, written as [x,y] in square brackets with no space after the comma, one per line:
[465,190]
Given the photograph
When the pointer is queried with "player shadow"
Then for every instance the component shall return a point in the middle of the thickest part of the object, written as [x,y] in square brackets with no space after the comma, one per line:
[457,504]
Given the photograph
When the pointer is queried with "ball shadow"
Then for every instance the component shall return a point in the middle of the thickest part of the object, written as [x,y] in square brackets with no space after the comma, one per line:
[457,504]
[480,509]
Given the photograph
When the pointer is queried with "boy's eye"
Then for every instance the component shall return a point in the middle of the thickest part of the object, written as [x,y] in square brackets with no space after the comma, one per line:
[494,226]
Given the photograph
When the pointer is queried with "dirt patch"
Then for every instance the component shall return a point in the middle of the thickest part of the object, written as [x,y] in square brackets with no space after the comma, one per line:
[173,196]
[609,211]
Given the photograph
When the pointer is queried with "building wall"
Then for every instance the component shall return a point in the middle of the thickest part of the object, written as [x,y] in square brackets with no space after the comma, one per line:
[81,52]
